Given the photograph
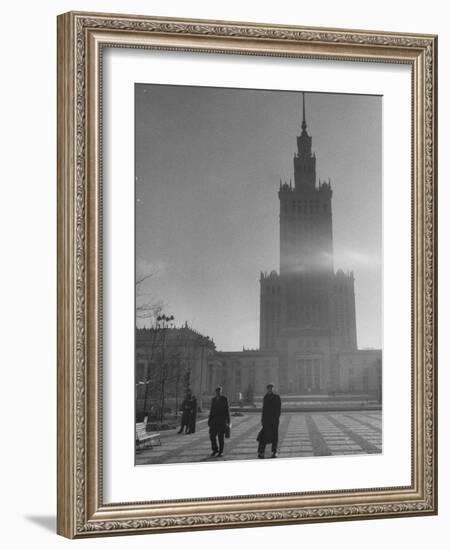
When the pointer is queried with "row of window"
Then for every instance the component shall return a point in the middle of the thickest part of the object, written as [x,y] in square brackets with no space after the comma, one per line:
[304,206]
[362,380]
[309,167]
[308,314]
[273,290]
[236,380]
[307,344]
[274,314]
[270,334]
[311,313]
[308,375]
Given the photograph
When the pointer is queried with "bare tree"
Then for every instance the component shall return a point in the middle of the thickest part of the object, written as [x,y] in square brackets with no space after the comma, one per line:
[149,309]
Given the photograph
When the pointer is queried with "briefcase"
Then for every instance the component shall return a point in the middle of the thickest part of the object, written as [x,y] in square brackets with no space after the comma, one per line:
[228,432]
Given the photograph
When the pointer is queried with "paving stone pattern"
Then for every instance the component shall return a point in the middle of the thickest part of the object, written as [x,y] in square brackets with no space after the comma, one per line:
[300,434]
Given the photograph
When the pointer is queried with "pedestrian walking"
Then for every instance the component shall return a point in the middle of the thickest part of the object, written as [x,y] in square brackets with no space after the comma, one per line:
[191,428]
[218,421]
[271,411]
[186,408]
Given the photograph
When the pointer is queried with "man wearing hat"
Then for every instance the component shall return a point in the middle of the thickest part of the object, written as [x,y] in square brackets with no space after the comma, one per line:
[218,421]
[271,411]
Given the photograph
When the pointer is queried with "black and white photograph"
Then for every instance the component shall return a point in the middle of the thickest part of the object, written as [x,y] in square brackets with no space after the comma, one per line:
[258,274]
[226,218]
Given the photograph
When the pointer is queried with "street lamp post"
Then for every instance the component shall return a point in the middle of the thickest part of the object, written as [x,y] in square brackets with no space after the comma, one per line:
[163,322]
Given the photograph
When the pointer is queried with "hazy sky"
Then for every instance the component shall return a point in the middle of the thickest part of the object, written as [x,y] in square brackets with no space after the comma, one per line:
[208,164]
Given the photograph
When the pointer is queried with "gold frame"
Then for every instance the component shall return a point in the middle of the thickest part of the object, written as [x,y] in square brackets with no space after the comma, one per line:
[81,37]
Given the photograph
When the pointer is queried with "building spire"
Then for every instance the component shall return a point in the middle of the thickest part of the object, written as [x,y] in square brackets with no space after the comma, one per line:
[304,123]
[304,160]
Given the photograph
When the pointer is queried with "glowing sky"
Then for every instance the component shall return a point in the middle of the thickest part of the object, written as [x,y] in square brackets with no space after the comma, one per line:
[208,164]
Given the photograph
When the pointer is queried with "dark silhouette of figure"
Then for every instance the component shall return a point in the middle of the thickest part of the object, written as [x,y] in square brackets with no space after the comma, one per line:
[191,428]
[218,422]
[188,408]
[271,411]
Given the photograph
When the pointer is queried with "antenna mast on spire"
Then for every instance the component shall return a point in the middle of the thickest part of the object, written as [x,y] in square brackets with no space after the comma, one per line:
[304,124]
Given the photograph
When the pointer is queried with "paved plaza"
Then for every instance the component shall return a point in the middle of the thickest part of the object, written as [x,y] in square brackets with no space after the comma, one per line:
[300,434]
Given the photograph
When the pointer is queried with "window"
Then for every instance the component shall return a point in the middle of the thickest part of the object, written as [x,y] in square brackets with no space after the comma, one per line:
[238,379]
[301,381]
[316,374]
[351,380]
[365,380]
[308,374]
[267,376]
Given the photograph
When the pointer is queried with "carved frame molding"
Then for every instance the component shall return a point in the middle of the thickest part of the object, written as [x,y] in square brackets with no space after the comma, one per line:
[81,39]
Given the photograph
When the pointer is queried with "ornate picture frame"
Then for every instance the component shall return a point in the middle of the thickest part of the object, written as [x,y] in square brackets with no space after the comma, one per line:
[82,40]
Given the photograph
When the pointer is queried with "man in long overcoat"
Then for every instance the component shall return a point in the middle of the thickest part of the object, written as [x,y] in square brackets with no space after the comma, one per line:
[218,421]
[271,411]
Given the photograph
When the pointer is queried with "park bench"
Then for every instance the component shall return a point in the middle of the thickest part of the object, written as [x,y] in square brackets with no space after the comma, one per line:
[146,439]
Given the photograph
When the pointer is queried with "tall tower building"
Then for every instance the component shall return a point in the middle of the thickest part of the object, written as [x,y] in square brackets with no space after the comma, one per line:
[307,311]
[305,215]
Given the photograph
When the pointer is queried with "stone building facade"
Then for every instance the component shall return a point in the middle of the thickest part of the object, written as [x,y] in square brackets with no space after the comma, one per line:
[360,372]
[242,373]
[168,360]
